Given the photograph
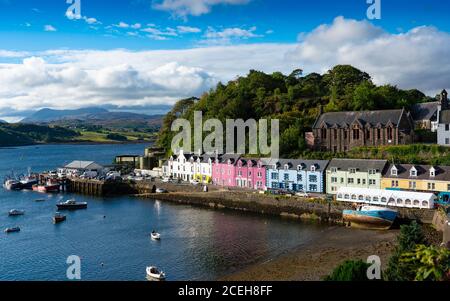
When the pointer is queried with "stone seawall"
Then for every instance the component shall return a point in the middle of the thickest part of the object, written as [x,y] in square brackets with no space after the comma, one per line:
[244,200]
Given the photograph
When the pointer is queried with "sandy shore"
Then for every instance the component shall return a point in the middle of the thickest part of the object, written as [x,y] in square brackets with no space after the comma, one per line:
[320,258]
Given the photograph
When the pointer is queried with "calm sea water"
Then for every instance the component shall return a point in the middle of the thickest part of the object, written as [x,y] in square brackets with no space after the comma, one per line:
[197,244]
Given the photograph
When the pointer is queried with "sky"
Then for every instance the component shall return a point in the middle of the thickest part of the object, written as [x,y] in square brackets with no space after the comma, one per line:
[144,55]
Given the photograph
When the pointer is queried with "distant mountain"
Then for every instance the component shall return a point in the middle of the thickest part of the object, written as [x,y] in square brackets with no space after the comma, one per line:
[94,116]
[49,115]
[3,122]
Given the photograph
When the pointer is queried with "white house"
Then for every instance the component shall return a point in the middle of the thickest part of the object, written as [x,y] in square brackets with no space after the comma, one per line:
[180,166]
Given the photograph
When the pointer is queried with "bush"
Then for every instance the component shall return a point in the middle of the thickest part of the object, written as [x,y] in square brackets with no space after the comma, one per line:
[410,236]
[116,137]
[350,271]
[428,263]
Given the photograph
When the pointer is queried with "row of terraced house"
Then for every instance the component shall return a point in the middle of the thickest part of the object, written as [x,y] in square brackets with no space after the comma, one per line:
[308,176]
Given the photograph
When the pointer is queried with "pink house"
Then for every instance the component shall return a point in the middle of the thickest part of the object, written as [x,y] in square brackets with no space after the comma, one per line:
[224,170]
[251,173]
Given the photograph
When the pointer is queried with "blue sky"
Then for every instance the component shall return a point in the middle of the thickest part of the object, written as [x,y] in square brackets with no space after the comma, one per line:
[23,22]
[144,55]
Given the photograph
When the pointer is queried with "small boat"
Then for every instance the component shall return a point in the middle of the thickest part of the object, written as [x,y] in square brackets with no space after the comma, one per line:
[161,190]
[12,185]
[371,217]
[28,183]
[16,212]
[39,200]
[59,218]
[155,273]
[71,205]
[155,236]
[12,230]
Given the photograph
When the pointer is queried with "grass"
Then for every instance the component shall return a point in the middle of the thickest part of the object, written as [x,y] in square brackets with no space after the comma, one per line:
[101,137]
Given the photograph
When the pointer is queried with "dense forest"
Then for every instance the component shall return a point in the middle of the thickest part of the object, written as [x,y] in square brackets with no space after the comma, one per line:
[294,99]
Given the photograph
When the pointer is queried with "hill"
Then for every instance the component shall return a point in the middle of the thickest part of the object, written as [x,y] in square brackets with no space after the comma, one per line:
[95,117]
[28,134]
[294,99]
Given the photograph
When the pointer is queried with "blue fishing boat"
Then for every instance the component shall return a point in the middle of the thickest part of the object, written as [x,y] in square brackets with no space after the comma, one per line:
[370,217]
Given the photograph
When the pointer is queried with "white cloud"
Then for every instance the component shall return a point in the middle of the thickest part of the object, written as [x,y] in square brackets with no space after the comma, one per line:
[419,58]
[160,34]
[184,8]
[49,28]
[122,25]
[136,26]
[89,20]
[13,54]
[227,35]
[188,29]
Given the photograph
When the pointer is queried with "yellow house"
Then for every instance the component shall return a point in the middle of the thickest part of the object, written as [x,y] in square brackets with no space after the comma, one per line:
[417,178]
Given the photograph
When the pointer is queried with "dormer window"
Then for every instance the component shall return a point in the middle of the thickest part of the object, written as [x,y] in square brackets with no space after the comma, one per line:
[413,172]
[372,171]
[313,168]
[333,169]
[432,172]
[352,170]
[394,171]
[286,167]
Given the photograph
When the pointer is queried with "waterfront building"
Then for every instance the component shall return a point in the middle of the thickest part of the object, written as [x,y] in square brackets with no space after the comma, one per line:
[79,168]
[250,173]
[354,173]
[203,167]
[224,170]
[296,175]
[380,197]
[343,131]
[426,178]
[180,166]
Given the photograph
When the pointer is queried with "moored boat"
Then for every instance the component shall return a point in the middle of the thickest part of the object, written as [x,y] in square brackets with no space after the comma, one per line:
[155,273]
[59,218]
[155,236]
[371,217]
[12,185]
[48,187]
[12,230]
[16,212]
[71,205]
[28,183]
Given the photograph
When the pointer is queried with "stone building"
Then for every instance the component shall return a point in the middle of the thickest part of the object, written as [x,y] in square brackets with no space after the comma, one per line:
[342,131]
[444,120]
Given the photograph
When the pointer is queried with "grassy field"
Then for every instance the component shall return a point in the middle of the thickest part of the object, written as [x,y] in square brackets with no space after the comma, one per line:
[101,137]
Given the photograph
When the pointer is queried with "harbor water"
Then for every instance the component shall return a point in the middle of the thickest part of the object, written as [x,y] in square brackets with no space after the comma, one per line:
[112,237]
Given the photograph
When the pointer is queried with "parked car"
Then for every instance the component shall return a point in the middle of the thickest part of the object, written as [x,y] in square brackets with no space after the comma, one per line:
[161,190]
[302,194]
[166,180]
[194,182]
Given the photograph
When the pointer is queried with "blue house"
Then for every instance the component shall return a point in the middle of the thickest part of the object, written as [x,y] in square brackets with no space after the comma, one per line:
[296,175]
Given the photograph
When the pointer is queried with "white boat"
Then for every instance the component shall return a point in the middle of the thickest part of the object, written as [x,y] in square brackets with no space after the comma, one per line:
[155,273]
[16,212]
[155,236]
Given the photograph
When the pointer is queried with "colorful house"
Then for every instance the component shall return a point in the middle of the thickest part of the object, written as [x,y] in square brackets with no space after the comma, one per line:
[224,170]
[354,173]
[422,178]
[203,168]
[296,175]
[180,166]
[250,173]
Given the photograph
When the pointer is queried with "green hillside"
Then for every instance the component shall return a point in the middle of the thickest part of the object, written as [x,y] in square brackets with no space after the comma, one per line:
[294,99]
[27,134]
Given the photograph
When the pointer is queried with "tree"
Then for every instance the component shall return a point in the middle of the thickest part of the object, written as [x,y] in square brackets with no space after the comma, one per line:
[428,263]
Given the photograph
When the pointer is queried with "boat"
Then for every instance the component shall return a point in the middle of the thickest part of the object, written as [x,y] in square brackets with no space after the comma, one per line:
[71,205]
[155,273]
[59,218]
[28,183]
[12,185]
[39,200]
[371,217]
[16,212]
[12,230]
[155,236]
[48,187]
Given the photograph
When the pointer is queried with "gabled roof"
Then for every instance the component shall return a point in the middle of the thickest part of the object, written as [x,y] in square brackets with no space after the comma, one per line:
[293,164]
[233,157]
[366,117]
[442,173]
[425,111]
[84,165]
[359,164]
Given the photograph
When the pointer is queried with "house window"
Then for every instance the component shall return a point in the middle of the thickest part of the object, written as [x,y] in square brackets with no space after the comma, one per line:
[394,171]
[313,188]
[345,134]
[358,181]
[335,134]
[394,184]
[431,186]
[324,133]
[334,180]
[372,182]
[413,172]
[352,170]
[390,133]
[351,181]
[372,171]
[432,172]
[447,141]
[274,176]
[333,169]
[364,181]
[368,134]
[299,178]
[274,185]
[379,134]
[412,185]
[313,179]
[355,134]
[286,177]
[259,174]
[447,127]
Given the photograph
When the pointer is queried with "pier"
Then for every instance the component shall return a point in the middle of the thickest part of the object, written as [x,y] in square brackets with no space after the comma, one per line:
[99,188]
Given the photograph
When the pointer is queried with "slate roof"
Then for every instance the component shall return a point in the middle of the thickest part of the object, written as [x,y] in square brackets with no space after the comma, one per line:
[360,164]
[344,119]
[233,157]
[84,165]
[425,111]
[321,165]
[444,116]
[423,172]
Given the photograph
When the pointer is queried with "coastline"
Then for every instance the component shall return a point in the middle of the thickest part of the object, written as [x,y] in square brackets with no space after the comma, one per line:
[81,143]
[318,259]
